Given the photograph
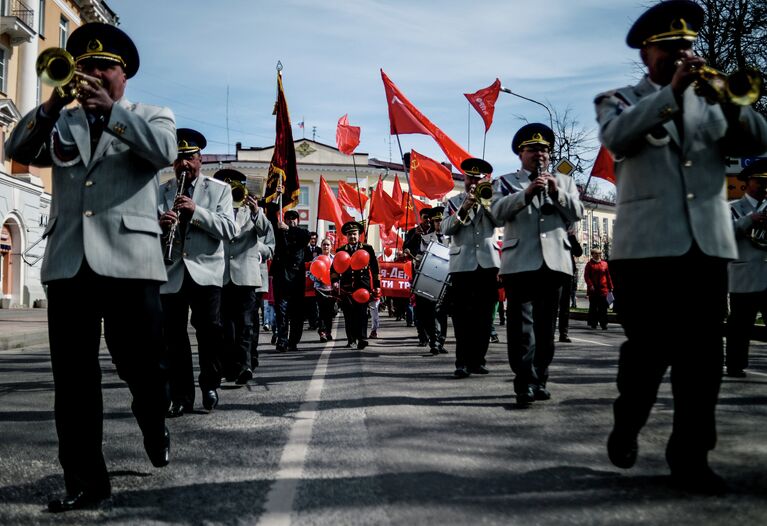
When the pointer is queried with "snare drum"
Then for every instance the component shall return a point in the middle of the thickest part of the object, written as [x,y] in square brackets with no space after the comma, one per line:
[433,275]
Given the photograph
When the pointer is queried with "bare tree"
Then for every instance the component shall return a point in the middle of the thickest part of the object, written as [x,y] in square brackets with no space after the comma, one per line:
[733,33]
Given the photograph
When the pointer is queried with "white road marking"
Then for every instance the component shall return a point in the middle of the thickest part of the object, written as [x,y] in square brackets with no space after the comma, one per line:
[593,342]
[279,501]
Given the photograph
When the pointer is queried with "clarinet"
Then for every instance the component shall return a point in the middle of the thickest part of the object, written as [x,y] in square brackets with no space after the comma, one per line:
[172,230]
[547,204]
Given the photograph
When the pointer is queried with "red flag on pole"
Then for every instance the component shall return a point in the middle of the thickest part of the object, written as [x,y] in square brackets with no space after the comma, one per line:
[283,168]
[352,202]
[604,165]
[347,137]
[396,191]
[484,101]
[429,178]
[405,118]
[410,216]
[383,209]
[327,205]
[388,236]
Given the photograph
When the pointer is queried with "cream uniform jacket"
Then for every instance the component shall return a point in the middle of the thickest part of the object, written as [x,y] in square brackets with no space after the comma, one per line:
[104,202]
[201,248]
[532,239]
[671,187]
[242,257]
[471,244]
[749,272]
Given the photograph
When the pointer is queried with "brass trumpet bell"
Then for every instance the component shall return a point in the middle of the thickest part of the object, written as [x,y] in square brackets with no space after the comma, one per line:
[239,192]
[483,192]
[742,87]
[56,67]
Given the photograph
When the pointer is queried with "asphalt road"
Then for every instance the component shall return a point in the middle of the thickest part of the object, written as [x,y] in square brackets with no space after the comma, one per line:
[330,436]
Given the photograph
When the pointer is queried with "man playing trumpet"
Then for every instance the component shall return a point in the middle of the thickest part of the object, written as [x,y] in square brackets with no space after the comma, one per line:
[673,221]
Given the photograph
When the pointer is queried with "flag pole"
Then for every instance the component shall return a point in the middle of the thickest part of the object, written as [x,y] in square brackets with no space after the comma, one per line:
[468,126]
[407,178]
[484,141]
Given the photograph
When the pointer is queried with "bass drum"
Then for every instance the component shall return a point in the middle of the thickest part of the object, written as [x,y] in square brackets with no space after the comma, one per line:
[433,276]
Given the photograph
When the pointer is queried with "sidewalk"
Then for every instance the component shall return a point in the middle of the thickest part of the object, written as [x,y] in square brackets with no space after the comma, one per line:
[23,328]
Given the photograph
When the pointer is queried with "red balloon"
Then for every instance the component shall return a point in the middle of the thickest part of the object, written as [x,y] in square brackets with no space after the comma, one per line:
[341,262]
[319,269]
[326,259]
[388,251]
[360,259]
[361,295]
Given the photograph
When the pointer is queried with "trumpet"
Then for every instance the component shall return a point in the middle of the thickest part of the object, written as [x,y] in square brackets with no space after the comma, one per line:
[483,193]
[171,237]
[742,87]
[56,67]
[547,204]
[239,192]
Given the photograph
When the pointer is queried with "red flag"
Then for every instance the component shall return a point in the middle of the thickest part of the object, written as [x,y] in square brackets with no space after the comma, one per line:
[389,237]
[406,118]
[327,205]
[352,202]
[429,178]
[283,169]
[484,101]
[410,217]
[604,165]
[347,137]
[396,191]
[383,209]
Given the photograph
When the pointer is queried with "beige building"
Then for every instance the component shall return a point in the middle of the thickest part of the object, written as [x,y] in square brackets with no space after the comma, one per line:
[26,28]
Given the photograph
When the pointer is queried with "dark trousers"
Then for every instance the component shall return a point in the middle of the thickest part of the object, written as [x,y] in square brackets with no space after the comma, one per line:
[597,310]
[205,303]
[564,306]
[259,305]
[697,284]
[472,296]
[132,316]
[311,311]
[237,306]
[289,309]
[426,321]
[355,319]
[743,310]
[533,302]
[326,307]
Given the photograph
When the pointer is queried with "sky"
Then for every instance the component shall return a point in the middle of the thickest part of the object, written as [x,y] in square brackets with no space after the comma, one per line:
[213,64]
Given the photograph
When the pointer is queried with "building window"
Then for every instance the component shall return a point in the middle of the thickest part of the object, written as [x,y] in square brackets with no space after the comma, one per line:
[63,32]
[2,7]
[303,196]
[3,68]
[41,18]
[606,227]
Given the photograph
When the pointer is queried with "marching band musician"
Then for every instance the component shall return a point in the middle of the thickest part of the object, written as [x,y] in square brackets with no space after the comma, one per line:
[415,245]
[535,256]
[672,220]
[747,276]
[431,315]
[473,270]
[202,212]
[265,246]
[351,280]
[242,274]
[102,257]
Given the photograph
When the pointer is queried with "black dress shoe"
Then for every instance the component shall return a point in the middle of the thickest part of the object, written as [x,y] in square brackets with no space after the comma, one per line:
[78,501]
[541,393]
[462,372]
[703,481]
[176,410]
[737,373]
[479,369]
[565,339]
[494,338]
[526,397]
[362,344]
[434,351]
[442,350]
[158,450]
[210,399]
[621,450]
[245,375]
